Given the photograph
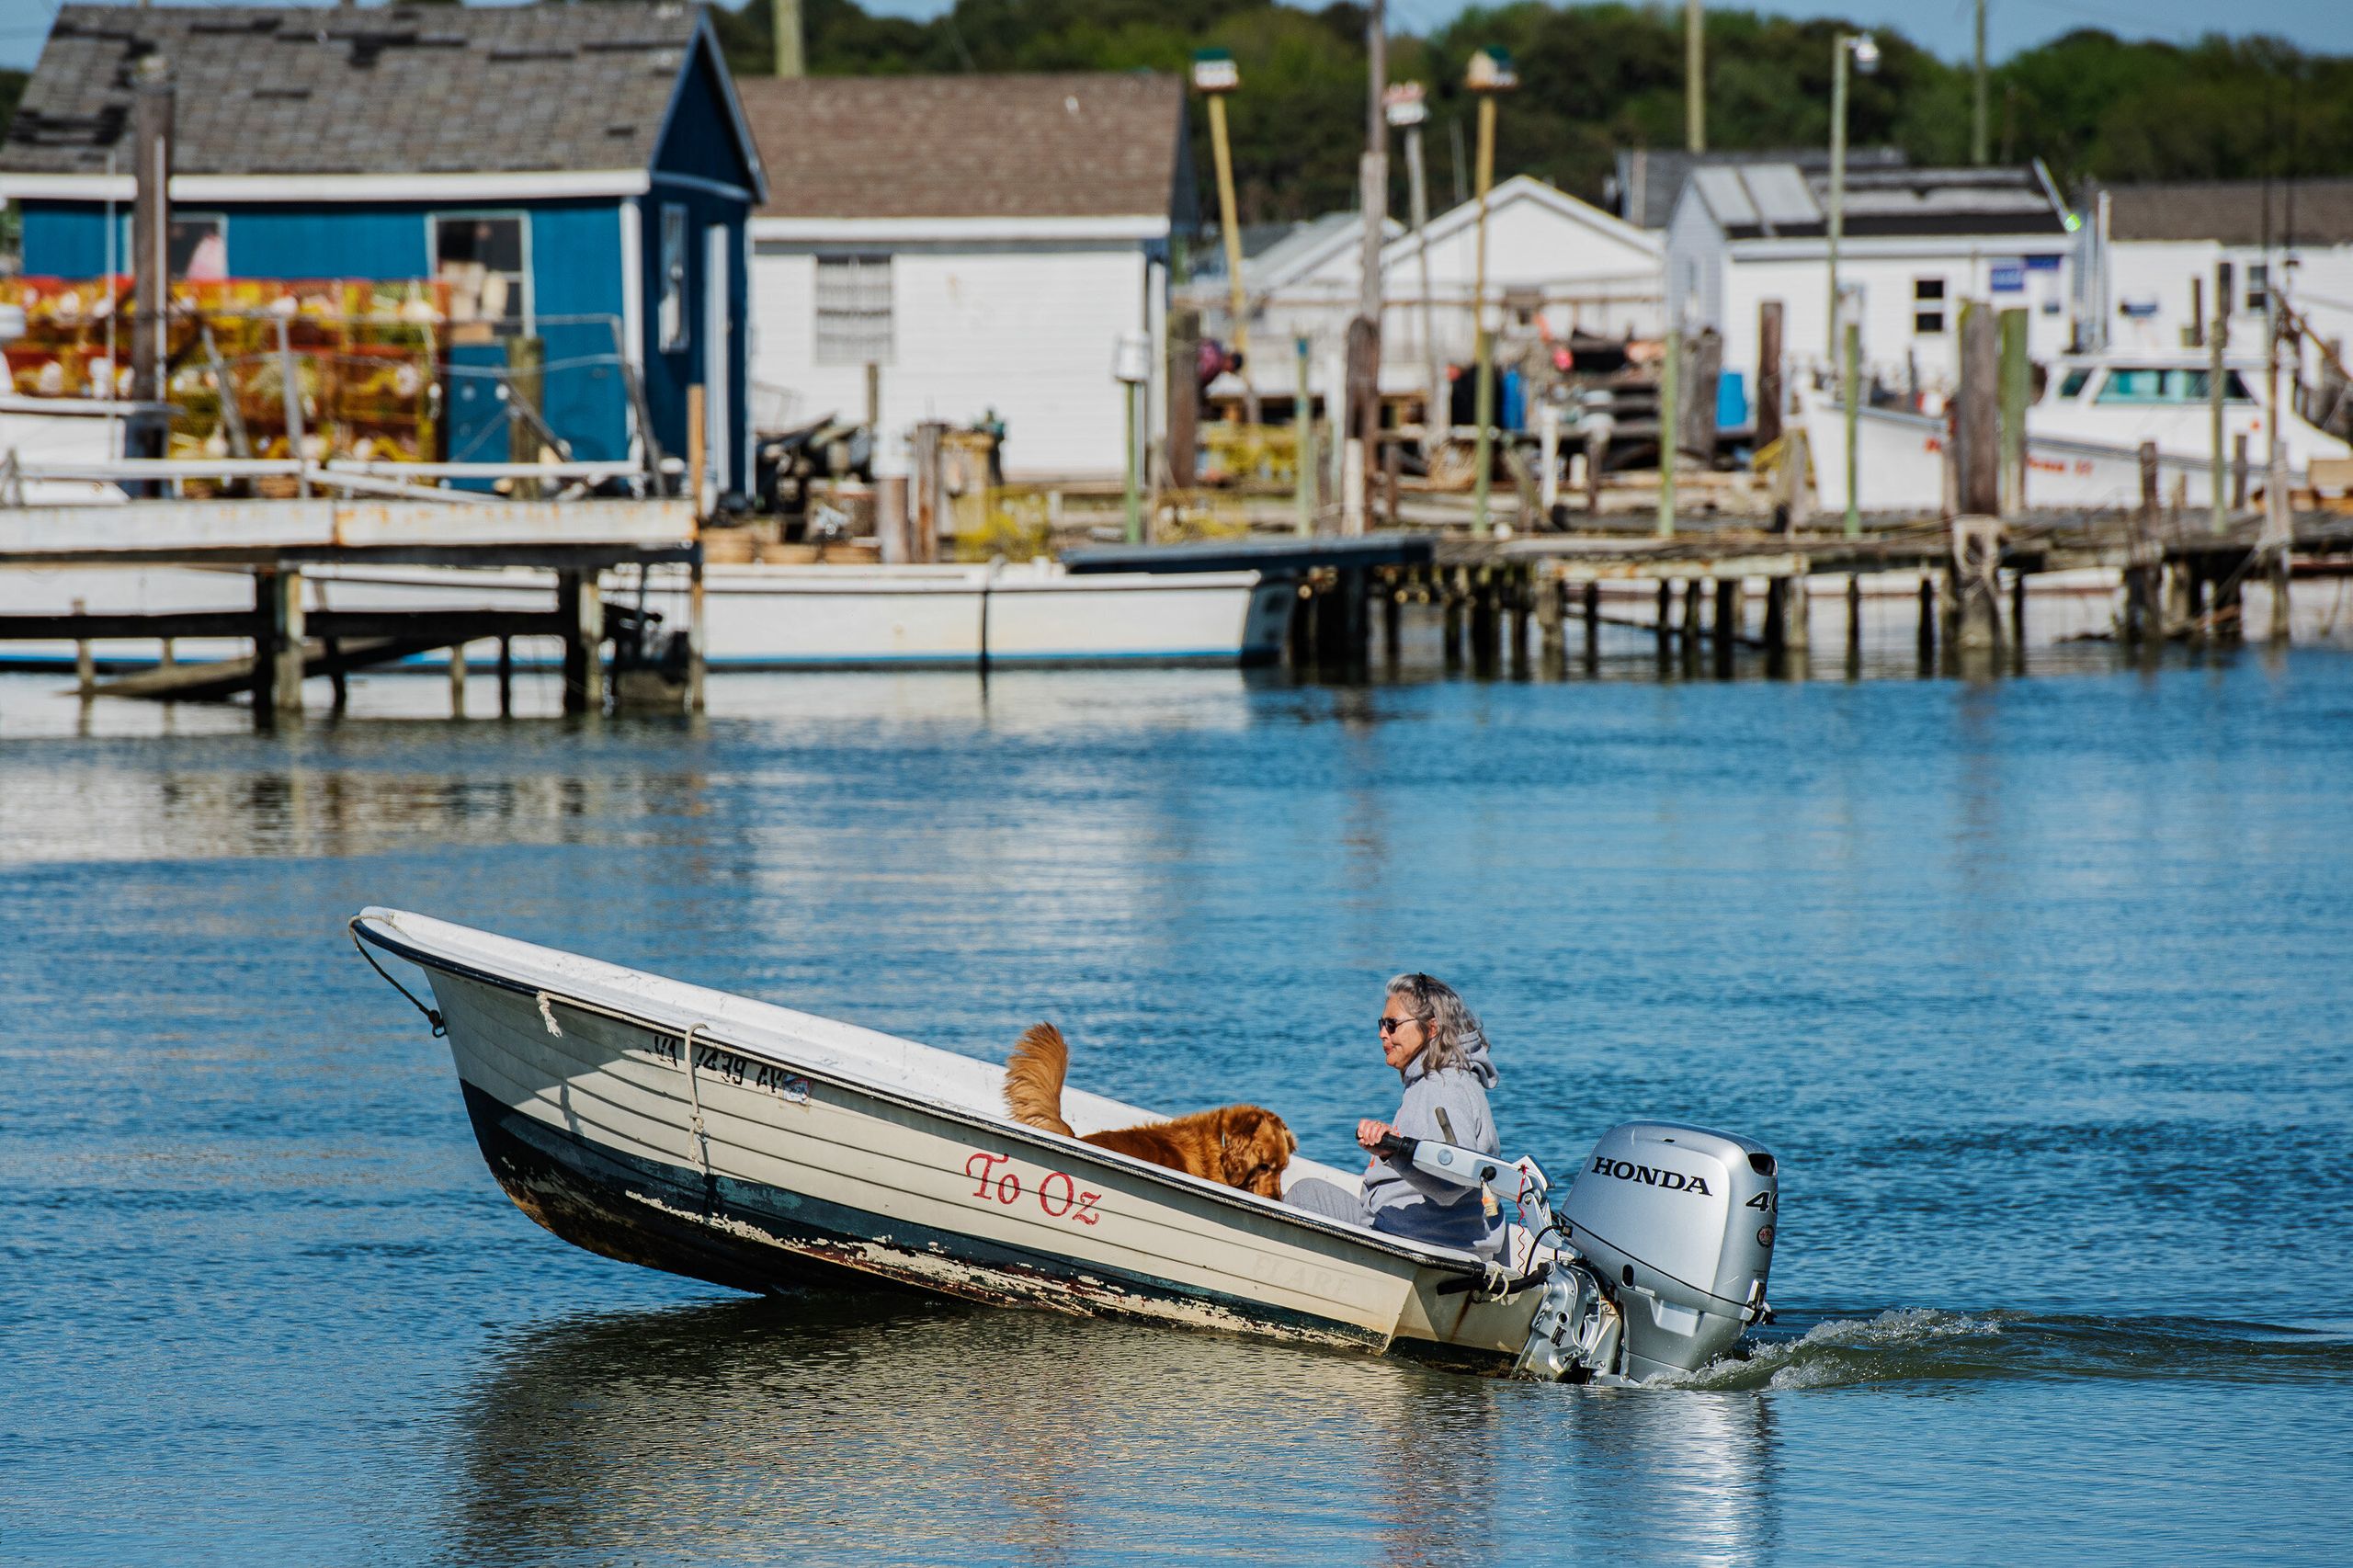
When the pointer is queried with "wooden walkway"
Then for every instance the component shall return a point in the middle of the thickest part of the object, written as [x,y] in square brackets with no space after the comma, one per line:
[2181,579]
[276,539]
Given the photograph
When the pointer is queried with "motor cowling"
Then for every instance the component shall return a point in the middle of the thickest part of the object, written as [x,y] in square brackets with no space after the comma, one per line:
[1677,1223]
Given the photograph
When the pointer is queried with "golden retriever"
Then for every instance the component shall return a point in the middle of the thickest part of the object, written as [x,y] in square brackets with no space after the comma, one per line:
[1241,1145]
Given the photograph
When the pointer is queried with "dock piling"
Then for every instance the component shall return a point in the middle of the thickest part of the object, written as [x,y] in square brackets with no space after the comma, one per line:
[1973,569]
[1592,627]
[1517,587]
[1393,591]
[695,643]
[1552,620]
[1854,625]
[286,640]
[581,608]
[86,667]
[2143,607]
[2017,622]
[456,680]
[505,677]
[1731,618]
[1928,634]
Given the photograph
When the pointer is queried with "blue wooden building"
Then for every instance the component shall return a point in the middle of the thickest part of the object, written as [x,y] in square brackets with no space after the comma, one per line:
[577,173]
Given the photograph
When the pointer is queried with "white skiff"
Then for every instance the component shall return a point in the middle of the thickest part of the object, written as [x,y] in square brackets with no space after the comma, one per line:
[745,1144]
[758,618]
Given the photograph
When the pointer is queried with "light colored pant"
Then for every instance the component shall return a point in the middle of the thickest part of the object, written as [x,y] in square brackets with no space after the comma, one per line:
[1333,1202]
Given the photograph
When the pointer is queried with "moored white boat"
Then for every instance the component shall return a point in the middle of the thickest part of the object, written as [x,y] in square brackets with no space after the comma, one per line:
[2083,438]
[757,616]
[59,429]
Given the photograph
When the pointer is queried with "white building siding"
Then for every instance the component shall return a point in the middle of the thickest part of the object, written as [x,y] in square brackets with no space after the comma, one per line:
[2154,276]
[1883,274]
[1695,264]
[1025,329]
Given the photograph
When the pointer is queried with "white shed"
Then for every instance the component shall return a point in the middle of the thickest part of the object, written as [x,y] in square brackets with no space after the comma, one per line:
[1917,244]
[982,241]
[1549,254]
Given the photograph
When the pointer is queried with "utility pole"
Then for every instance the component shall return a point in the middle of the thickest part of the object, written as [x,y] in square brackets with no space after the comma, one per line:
[2217,337]
[1364,358]
[786,14]
[1489,74]
[1864,51]
[1695,75]
[1406,110]
[151,229]
[1977,129]
[1215,75]
[2277,528]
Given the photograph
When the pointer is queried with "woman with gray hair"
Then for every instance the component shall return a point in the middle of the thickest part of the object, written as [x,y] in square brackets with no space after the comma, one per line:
[1437,1046]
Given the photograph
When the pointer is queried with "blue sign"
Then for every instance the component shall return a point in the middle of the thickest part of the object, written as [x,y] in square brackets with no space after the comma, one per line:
[2010,277]
[2042,264]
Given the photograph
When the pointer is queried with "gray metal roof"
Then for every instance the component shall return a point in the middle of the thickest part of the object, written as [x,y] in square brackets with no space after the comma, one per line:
[399,89]
[1782,202]
[1767,198]
[1651,178]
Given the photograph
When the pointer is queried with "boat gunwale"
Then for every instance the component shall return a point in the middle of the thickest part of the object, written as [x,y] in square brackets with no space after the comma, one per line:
[1422,1255]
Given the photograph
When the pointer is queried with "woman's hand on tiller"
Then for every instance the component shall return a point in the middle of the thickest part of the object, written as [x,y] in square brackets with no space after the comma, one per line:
[1370,1131]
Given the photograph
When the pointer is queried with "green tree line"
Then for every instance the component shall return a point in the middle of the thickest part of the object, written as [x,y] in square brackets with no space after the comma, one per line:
[1596,78]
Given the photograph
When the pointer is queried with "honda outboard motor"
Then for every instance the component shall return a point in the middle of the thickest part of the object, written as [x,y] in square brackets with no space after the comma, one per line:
[1677,1223]
[1654,1264]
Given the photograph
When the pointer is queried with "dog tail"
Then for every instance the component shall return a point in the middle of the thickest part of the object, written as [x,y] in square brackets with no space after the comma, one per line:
[1033,1079]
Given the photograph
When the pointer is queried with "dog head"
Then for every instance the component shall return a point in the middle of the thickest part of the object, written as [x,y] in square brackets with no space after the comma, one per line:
[1254,1145]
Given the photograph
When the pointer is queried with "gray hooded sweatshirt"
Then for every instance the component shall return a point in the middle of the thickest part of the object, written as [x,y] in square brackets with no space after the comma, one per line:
[1404,1202]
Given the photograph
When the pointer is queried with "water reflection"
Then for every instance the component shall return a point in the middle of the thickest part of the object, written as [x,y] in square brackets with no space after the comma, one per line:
[771,1431]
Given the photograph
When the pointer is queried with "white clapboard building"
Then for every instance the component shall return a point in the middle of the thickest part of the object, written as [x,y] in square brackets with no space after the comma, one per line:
[2158,255]
[1550,260]
[984,242]
[1917,244]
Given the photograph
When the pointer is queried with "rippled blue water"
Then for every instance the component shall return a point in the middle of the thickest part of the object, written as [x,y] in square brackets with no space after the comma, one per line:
[2040,990]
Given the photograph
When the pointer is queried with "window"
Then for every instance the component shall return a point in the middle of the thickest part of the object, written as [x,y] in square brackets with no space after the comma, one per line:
[853,310]
[2258,287]
[1928,306]
[195,246]
[480,256]
[2195,382]
[2139,385]
[198,246]
[2073,384]
[672,317]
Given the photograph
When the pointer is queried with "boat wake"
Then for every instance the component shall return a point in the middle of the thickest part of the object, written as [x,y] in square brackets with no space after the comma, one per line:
[1929,1344]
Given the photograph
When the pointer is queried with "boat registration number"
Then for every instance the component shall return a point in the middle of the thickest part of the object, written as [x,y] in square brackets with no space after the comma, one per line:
[725,1065]
[1055,1194]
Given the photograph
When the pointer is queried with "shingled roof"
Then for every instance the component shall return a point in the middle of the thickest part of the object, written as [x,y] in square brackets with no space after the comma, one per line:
[401,89]
[1077,145]
[2234,212]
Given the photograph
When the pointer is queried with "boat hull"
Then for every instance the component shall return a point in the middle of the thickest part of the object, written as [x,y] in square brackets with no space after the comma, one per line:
[772,1163]
[757,617]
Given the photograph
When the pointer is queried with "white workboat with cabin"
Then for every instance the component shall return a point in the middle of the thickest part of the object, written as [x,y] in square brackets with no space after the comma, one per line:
[754,1147]
[2083,438]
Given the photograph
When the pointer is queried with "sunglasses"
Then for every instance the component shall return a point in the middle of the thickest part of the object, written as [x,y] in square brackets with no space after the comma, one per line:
[1391,1026]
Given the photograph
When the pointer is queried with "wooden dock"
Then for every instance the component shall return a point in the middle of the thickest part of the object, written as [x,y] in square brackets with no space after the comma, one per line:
[2181,580]
[275,541]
